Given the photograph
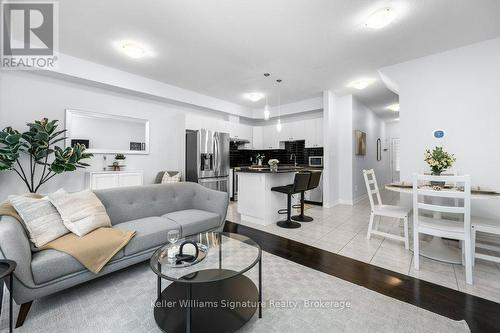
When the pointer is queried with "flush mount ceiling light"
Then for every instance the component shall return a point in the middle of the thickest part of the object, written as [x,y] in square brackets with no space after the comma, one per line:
[393,107]
[381,18]
[254,96]
[361,83]
[132,49]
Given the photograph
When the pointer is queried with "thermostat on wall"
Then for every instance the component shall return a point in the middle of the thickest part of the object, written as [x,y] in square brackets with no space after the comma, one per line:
[438,134]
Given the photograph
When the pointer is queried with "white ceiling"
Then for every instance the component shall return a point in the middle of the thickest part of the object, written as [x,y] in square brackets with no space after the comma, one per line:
[221,48]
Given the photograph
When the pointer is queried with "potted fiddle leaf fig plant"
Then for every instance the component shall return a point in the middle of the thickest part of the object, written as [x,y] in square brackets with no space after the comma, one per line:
[34,156]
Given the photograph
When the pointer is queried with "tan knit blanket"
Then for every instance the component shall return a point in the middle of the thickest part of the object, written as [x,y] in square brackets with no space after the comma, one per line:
[93,250]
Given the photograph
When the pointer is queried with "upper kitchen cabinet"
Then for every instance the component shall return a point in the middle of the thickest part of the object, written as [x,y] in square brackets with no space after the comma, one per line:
[241,132]
[292,131]
[270,138]
[314,133]
[258,142]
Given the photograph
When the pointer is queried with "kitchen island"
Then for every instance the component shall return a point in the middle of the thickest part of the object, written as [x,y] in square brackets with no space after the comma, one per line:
[256,202]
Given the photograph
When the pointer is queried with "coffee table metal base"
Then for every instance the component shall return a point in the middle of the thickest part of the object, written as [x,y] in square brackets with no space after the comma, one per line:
[222,306]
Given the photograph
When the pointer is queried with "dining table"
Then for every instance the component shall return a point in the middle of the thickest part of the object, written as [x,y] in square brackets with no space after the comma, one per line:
[437,248]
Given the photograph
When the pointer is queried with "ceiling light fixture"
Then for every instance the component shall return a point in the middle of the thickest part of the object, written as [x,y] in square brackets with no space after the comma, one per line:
[393,107]
[279,127]
[254,96]
[381,18]
[361,83]
[132,49]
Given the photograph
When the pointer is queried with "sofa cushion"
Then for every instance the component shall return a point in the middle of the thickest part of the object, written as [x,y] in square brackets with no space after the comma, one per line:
[151,232]
[193,221]
[48,265]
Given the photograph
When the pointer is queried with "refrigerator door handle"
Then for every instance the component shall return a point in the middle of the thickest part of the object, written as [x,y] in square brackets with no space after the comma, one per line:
[216,153]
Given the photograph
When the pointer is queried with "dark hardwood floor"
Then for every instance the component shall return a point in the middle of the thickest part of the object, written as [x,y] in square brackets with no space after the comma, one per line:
[481,315]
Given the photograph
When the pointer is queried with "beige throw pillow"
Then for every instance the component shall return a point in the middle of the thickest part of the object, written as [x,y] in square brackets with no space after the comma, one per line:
[81,212]
[171,177]
[40,218]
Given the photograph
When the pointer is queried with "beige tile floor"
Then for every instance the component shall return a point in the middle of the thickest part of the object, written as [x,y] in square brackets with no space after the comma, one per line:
[342,230]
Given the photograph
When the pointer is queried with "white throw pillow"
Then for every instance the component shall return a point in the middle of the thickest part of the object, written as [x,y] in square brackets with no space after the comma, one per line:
[40,217]
[81,212]
[171,177]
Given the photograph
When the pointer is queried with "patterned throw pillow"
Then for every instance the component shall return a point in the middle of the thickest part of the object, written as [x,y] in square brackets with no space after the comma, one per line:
[171,177]
[40,218]
[81,212]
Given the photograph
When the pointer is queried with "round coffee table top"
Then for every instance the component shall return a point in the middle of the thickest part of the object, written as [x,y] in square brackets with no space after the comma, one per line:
[227,255]
[6,267]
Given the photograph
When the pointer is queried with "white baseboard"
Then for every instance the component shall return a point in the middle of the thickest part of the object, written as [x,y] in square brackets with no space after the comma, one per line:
[361,198]
[345,202]
[330,205]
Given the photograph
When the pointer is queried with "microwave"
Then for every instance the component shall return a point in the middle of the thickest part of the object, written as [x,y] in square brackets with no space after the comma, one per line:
[316,161]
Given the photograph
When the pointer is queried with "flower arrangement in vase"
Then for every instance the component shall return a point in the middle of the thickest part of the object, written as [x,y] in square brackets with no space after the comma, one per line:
[260,158]
[273,164]
[438,160]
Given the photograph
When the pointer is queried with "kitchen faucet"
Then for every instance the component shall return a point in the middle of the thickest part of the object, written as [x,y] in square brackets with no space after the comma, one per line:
[294,159]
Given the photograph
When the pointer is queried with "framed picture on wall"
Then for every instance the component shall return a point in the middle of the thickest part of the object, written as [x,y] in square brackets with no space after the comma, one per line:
[360,143]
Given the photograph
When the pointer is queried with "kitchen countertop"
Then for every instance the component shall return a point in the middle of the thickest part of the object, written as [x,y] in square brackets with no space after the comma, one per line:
[282,169]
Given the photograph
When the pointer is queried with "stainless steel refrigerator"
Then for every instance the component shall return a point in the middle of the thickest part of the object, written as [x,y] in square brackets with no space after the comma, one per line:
[207,159]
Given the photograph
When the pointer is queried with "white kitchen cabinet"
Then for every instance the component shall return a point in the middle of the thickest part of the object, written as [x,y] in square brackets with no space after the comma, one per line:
[296,130]
[270,137]
[98,180]
[242,132]
[313,129]
[257,141]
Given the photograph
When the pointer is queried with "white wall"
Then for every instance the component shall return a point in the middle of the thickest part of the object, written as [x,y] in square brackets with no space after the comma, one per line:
[457,91]
[25,97]
[343,178]
[367,121]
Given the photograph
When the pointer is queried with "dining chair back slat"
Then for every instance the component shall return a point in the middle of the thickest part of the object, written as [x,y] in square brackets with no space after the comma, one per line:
[437,226]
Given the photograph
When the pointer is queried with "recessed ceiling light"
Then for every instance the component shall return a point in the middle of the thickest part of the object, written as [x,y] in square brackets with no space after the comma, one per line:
[381,18]
[132,49]
[393,107]
[254,96]
[361,83]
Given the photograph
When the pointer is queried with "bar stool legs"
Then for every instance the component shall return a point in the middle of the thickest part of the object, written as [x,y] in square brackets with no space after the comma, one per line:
[288,223]
[301,217]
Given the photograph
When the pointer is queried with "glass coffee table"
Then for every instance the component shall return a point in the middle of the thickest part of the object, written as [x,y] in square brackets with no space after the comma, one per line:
[212,294]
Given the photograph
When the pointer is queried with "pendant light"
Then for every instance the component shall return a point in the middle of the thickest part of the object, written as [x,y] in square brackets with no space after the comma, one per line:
[267,112]
[278,123]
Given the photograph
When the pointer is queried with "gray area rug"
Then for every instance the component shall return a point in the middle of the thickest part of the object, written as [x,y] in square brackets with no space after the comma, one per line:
[122,302]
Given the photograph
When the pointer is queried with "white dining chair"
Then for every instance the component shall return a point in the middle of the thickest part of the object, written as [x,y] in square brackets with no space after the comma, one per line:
[487,226]
[380,210]
[459,229]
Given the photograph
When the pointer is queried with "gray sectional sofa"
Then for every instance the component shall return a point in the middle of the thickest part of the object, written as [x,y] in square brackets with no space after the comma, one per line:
[150,210]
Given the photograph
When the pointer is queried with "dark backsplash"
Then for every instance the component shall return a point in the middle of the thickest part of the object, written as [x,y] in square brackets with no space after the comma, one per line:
[241,157]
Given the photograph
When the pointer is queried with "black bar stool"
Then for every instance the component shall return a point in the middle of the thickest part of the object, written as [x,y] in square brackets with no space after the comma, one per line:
[313,183]
[300,184]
